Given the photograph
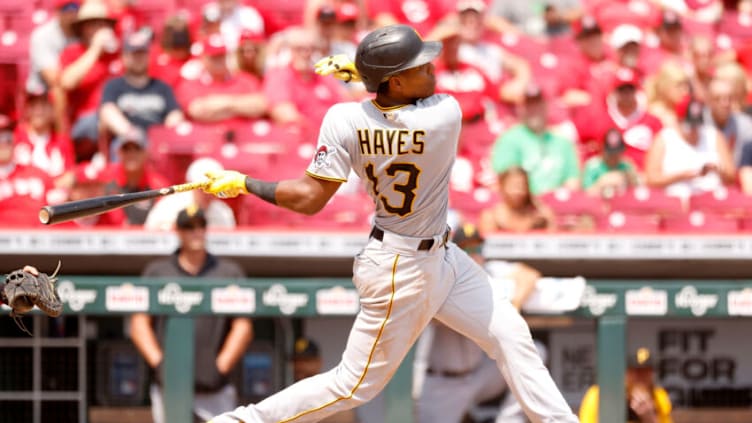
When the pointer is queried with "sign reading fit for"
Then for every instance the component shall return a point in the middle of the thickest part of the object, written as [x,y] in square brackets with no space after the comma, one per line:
[701,363]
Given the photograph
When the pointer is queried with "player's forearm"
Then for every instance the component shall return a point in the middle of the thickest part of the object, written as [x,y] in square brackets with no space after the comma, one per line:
[72,75]
[285,113]
[50,75]
[727,172]
[251,105]
[296,195]
[745,178]
[114,120]
[145,340]
[208,109]
[60,108]
[240,335]
[658,179]
[174,117]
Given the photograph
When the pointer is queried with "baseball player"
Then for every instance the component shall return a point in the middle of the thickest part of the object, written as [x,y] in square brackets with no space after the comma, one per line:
[402,145]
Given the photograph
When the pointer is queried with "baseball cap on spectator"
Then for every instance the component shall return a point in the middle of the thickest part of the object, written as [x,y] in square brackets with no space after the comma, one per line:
[327,14]
[625,77]
[467,233]
[474,5]
[191,217]
[625,34]
[213,45]
[136,136]
[250,35]
[305,348]
[347,12]
[690,111]
[641,358]
[587,25]
[37,91]
[137,41]
[533,92]
[670,20]
[613,142]
[67,5]
[88,173]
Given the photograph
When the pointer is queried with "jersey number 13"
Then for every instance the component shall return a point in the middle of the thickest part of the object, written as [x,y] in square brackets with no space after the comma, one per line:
[407,189]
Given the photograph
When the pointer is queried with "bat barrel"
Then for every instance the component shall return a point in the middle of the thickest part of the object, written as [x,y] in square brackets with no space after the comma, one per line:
[71,210]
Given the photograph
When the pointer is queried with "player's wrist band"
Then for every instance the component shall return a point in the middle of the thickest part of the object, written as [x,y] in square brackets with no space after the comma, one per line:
[266,191]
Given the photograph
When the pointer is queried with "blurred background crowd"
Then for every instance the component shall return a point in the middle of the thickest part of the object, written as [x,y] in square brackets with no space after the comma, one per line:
[578,114]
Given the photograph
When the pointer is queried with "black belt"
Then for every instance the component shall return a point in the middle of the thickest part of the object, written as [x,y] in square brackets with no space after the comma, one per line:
[424,245]
[448,373]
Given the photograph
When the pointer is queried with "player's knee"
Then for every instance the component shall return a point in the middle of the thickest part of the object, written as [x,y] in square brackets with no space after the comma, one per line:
[349,385]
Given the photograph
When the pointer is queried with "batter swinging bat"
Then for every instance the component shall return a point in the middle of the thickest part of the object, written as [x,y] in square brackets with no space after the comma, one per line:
[96,205]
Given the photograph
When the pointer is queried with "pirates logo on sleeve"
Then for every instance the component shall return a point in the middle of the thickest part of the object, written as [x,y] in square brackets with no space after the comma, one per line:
[322,157]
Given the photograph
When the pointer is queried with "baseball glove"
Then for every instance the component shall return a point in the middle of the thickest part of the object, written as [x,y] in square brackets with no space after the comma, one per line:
[25,288]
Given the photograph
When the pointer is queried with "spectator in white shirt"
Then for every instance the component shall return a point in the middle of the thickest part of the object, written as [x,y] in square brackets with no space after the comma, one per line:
[218,214]
[690,158]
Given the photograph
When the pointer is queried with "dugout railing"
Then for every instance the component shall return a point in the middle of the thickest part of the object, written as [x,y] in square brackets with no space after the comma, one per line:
[609,302]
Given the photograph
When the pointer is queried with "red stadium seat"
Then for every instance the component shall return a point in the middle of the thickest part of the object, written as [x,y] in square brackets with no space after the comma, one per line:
[15,28]
[172,150]
[187,138]
[745,224]
[16,7]
[258,213]
[262,134]
[574,210]
[471,204]
[567,202]
[192,4]
[10,87]
[698,221]
[563,45]
[627,222]
[643,200]
[342,212]
[724,201]
[232,157]
[279,14]
[523,45]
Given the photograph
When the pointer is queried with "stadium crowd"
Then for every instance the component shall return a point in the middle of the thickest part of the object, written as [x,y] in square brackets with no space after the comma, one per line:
[603,115]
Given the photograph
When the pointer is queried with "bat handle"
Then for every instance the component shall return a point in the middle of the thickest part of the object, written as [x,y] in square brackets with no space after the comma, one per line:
[189,186]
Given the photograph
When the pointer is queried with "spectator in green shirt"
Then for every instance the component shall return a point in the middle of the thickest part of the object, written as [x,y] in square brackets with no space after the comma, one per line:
[549,159]
[611,172]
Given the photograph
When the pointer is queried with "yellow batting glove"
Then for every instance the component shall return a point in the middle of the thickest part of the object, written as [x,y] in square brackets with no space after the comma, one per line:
[225,183]
[339,66]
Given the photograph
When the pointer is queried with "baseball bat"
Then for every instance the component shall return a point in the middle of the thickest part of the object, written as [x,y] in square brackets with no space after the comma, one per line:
[63,212]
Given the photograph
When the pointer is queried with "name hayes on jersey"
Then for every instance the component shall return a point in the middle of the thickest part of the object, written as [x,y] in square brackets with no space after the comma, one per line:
[388,142]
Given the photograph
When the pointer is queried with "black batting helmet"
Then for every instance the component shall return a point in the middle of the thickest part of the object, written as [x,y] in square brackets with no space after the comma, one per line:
[390,50]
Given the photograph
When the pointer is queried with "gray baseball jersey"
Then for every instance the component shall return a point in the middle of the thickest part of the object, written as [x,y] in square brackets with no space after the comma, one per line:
[403,154]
